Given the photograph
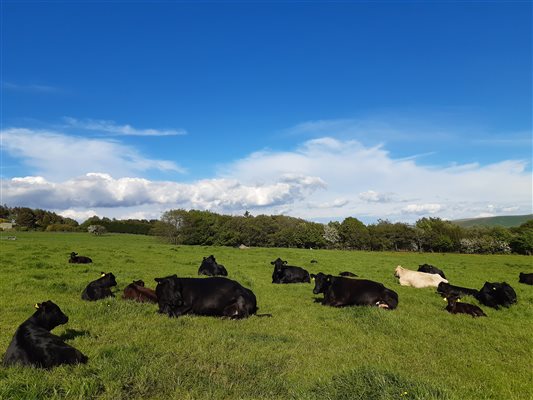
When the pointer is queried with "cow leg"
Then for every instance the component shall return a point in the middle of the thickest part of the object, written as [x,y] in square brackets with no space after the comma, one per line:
[236,310]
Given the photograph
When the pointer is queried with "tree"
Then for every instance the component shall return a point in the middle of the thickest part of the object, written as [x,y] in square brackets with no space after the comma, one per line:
[331,234]
[25,217]
[354,234]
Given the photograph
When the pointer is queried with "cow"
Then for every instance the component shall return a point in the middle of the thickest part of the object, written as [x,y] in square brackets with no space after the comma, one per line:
[417,279]
[210,267]
[495,294]
[76,259]
[430,269]
[100,288]
[34,345]
[284,273]
[447,290]
[340,292]
[214,296]
[347,274]
[136,291]
[526,278]
[455,307]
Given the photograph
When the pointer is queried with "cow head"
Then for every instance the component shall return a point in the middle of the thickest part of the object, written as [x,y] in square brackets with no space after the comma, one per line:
[73,254]
[278,263]
[107,279]
[168,292]
[322,282]
[49,315]
[398,271]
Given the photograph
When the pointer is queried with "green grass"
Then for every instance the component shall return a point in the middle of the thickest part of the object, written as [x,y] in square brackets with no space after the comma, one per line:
[305,351]
[507,221]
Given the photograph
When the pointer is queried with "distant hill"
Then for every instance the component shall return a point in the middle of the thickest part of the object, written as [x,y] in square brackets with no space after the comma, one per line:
[506,221]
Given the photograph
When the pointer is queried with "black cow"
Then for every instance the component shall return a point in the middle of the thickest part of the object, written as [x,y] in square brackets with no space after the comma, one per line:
[284,273]
[76,259]
[340,292]
[34,345]
[210,267]
[496,294]
[526,278]
[348,274]
[447,290]
[212,296]
[454,307]
[430,269]
[100,288]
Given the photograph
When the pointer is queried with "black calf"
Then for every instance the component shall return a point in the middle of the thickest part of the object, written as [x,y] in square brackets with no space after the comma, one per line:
[75,259]
[33,344]
[454,307]
[447,290]
[210,267]
[100,288]
[284,273]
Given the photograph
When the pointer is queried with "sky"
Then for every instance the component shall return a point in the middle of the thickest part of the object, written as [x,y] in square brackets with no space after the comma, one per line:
[319,110]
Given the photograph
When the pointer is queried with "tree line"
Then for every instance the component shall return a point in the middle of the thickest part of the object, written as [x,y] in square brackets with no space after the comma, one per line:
[193,227]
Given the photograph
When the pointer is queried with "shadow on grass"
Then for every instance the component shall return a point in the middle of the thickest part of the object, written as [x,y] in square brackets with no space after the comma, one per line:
[73,333]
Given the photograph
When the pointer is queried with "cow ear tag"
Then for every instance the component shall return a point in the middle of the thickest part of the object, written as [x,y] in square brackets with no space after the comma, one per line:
[313,279]
[103,274]
[36,306]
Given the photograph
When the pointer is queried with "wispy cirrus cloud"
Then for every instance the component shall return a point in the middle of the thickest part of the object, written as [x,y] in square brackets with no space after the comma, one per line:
[30,88]
[58,156]
[112,128]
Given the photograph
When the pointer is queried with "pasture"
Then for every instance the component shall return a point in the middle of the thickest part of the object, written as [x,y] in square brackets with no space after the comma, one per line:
[305,351]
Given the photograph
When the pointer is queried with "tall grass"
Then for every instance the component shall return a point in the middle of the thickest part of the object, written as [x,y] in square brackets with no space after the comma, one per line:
[305,351]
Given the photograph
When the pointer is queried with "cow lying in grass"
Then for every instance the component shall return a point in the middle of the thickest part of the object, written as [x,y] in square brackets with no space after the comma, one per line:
[136,291]
[430,269]
[34,345]
[284,273]
[210,267]
[76,259]
[447,290]
[100,288]
[340,291]
[417,279]
[525,278]
[496,294]
[212,296]
[455,307]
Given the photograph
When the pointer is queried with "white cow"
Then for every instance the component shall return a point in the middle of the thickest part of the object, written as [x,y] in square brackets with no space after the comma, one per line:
[417,279]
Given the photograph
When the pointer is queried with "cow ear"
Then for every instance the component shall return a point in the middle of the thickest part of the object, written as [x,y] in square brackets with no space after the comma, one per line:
[272,262]
[284,262]
[204,258]
[102,274]
[158,280]
[329,277]
[313,276]
[37,305]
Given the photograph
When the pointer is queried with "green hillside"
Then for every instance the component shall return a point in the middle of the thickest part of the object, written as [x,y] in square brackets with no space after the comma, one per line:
[507,221]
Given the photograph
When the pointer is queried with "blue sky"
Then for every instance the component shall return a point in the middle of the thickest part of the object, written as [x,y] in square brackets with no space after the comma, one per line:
[235,106]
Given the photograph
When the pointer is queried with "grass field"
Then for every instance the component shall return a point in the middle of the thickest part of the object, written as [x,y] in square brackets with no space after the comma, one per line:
[305,351]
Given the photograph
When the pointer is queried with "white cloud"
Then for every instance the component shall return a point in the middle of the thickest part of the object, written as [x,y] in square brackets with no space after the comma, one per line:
[32,88]
[322,179]
[421,209]
[111,127]
[375,197]
[97,190]
[58,156]
[401,189]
